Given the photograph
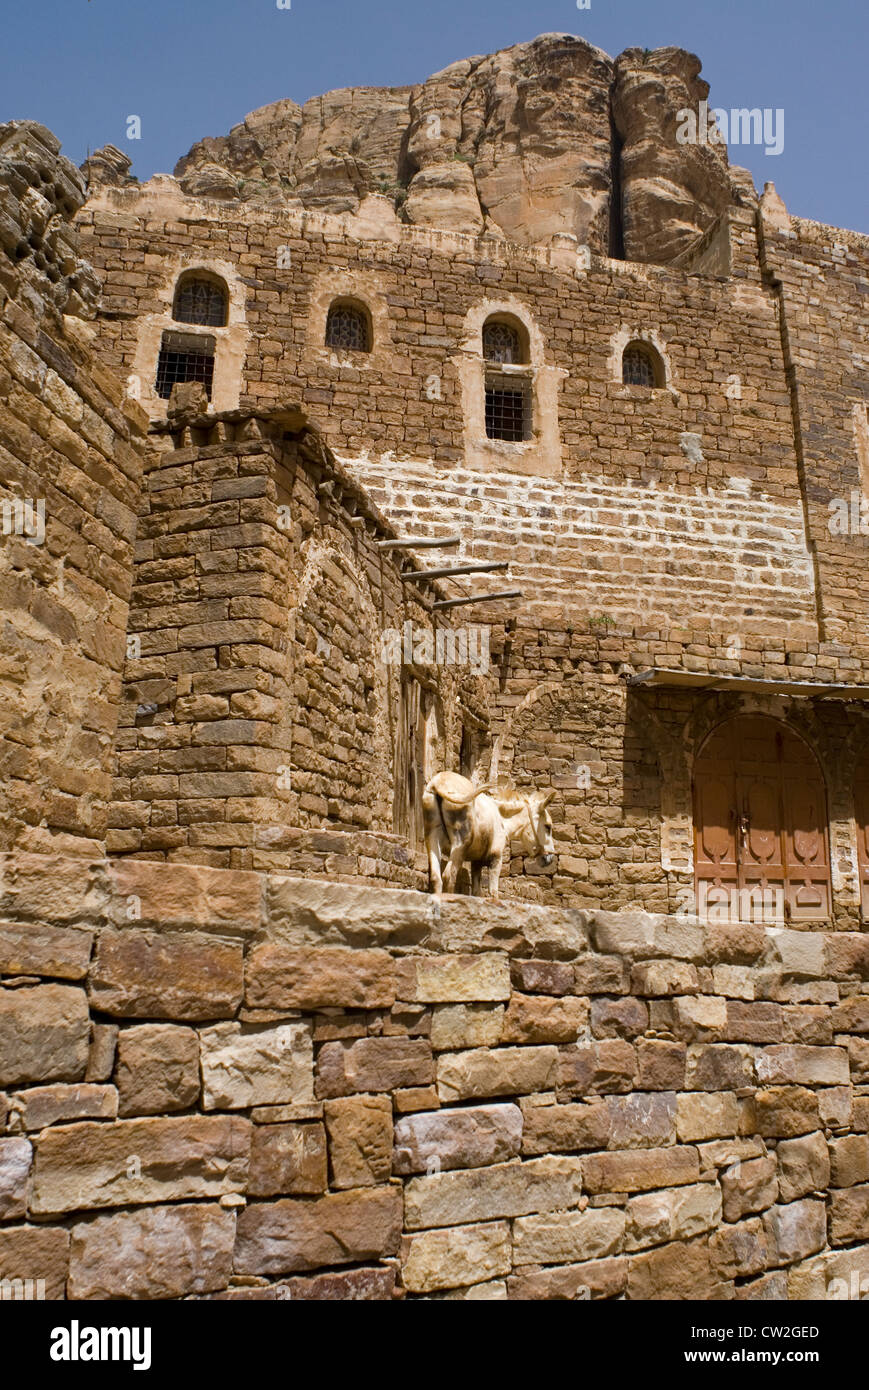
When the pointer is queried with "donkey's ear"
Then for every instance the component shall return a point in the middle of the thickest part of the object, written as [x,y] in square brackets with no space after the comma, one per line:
[547,798]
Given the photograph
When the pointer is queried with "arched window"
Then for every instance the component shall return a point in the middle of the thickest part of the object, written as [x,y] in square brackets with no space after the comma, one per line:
[348,328]
[641,366]
[502,343]
[508,386]
[200,300]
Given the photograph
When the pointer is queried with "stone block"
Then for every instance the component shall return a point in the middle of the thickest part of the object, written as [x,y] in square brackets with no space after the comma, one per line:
[783,1112]
[454,979]
[16,1157]
[803,1166]
[618,1018]
[34,1253]
[660,1065]
[458,1026]
[90,1165]
[44,1033]
[678,1213]
[566,1128]
[300,1234]
[593,1279]
[288,1160]
[501,1071]
[538,1019]
[472,1137]
[373,1064]
[360,1140]
[802,1066]
[640,1170]
[603,1067]
[32,948]
[554,1238]
[706,1115]
[740,1250]
[795,1231]
[849,1215]
[154,1253]
[243,1065]
[642,1121]
[49,1105]
[682,1271]
[492,1193]
[157,1069]
[466,1255]
[849,1161]
[543,977]
[278,977]
[183,976]
[748,1187]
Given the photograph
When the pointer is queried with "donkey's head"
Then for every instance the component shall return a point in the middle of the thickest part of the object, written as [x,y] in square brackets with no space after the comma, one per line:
[536,829]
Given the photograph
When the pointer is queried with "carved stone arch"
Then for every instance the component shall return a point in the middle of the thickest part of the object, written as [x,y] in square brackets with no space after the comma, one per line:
[339,739]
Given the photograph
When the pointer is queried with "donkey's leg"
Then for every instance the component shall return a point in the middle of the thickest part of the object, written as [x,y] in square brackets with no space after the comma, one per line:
[436,883]
[457,858]
[496,863]
[476,879]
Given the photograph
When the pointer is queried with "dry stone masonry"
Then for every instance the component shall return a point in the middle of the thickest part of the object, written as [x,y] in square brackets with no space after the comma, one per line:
[233,1085]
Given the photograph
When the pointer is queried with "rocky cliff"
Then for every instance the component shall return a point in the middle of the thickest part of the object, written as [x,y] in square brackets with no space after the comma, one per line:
[545,138]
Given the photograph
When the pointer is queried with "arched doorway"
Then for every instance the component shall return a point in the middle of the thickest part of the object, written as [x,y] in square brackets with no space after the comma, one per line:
[760,824]
[861,815]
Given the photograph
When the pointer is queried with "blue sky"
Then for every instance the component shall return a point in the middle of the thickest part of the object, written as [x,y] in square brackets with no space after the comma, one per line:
[190,68]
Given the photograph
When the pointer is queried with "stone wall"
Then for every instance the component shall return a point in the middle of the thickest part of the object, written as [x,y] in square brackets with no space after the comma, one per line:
[267,707]
[221,1084]
[679,504]
[620,756]
[820,275]
[70,469]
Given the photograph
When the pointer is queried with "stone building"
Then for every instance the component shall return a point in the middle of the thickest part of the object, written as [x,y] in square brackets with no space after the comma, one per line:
[597,355]
[246,410]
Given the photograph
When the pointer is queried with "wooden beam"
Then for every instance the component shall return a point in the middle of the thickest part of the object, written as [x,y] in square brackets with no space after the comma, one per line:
[477,598]
[473,567]
[424,543]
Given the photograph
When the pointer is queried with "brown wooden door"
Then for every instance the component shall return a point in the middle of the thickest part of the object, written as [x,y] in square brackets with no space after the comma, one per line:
[760,824]
[861,812]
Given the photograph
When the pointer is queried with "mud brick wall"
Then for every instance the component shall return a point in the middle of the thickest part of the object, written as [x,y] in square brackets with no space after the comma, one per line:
[302,1090]
[70,469]
[261,722]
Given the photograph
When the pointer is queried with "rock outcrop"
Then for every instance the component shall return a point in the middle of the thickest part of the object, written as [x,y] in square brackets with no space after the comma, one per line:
[535,141]
[40,192]
[670,191]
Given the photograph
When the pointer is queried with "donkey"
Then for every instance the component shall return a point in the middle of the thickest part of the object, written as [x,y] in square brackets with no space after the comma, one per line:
[472,825]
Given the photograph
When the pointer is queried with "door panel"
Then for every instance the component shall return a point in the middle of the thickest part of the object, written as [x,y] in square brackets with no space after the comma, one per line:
[760,818]
[861,811]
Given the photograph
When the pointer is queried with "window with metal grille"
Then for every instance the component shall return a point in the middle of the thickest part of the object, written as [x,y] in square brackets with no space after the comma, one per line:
[185,357]
[639,367]
[200,301]
[347,328]
[508,409]
[502,343]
